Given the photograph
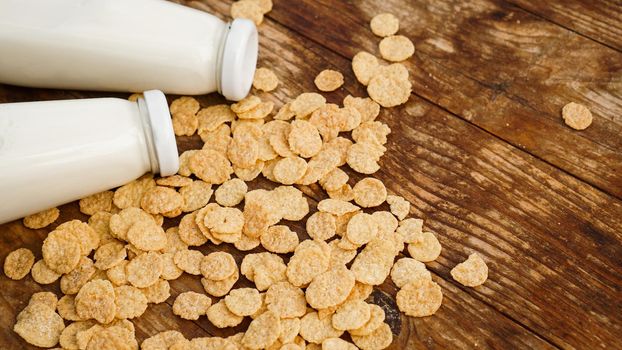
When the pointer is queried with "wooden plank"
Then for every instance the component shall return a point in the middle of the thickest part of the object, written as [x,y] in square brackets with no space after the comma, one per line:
[599,20]
[498,67]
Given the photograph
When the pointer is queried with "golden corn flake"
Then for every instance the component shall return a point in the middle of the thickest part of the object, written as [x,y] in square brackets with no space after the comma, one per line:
[321,226]
[162,200]
[376,320]
[231,193]
[42,219]
[185,123]
[174,181]
[337,344]
[196,195]
[224,220]
[210,166]
[304,139]
[427,248]
[384,24]
[144,270]
[329,120]
[407,270]
[130,195]
[400,207]
[162,341]
[396,71]
[289,170]
[42,274]
[39,325]
[46,298]
[118,275]
[316,330]
[147,236]
[220,316]
[243,150]
[110,255]
[61,251]
[115,337]
[184,104]
[170,271]
[246,104]
[373,265]
[371,132]
[290,327]
[279,239]
[158,292]
[336,207]
[330,288]
[249,174]
[369,192]
[243,301]
[130,302]
[263,331]
[213,117]
[361,229]
[286,300]
[190,231]
[248,9]
[341,221]
[246,243]
[310,259]
[217,140]
[365,66]
[306,103]
[379,339]
[66,308]
[264,269]
[100,223]
[218,266]
[577,116]
[329,80]
[120,223]
[220,288]
[18,263]
[351,315]
[411,230]
[389,91]
[259,112]
[285,112]
[472,272]
[419,298]
[96,300]
[396,48]
[71,282]
[339,256]
[191,305]
[189,261]
[367,108]
[344,193]
[68,337]
[173,241]
[265,79]
[88,238]
[363,157]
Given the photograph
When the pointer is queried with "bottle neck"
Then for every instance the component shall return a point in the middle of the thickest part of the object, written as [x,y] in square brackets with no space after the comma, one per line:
[147,131]
[218,73]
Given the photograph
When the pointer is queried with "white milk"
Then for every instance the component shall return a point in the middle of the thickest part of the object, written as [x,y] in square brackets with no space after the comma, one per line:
[54,152]
[125,45]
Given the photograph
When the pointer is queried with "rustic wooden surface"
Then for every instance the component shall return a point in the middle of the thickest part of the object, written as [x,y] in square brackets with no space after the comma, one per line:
[480,150]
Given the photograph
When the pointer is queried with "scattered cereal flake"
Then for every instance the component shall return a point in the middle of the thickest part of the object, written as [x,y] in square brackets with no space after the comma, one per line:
[339,256]
[248,9]
[42,274]
[379,339]
[189,230]
[369,192]
[376,319]
[290,327]
[130,195]
[249,174]
[144,270]
[285,113]
[329,120]
[39,325]
[577,116]
[353,118]
[265,79]
[329,80]
[396,71]
[88,238]
[96,300]
[310,259]
[220,288]
[189,261]
[100,223]
[289,170]
[220,316]
[211,166]
[368,109]
[341,221]
[174,181]
[162,200]
[351,315]
[185,123]
[18,263]
[130,302]
[120,223]
[264,269]
[363,157]
[419,298]
[66,308]
[261,111]
[246,104]
[61,251]
[173,241]
[389,91]
[42,219]
[71,282]
[68,337]
[117,275]
[472,272]
[361,229]
[364,66]
[109,255]
[316,330]
[213,117]
[265,5]
[47,298]
[427,248]
[384,24]
[306,103]
[231,192]
[217,140]
[147,236]
[263,331]
[321,226]
[158,292]
[373,265]
[286,300]
[279,239]
[115,337]
[217,266]
[191,305]
[196,195]
[224,220]
[162,341]
[396,48]
[407,270]
[337,344]
[344,193]
[304,139]
[170,271]
[243,301]
[185,104]
[400,207]
[372,132]
[330,288]
[411,230]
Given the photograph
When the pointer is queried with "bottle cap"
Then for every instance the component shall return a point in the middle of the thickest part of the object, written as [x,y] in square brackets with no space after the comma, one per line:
[239,59]
[162,132]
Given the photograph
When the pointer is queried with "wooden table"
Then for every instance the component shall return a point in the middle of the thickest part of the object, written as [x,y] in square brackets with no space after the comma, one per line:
[480,150]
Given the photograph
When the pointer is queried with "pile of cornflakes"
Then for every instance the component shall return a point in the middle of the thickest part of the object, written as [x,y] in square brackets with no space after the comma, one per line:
[308,294]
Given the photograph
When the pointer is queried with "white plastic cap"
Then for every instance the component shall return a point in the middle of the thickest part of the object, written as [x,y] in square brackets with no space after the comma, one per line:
[239,59]
[162,132]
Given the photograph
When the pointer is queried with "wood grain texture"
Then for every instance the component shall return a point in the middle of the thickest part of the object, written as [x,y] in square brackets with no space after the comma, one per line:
[552,242]
[599,20]
[496,66]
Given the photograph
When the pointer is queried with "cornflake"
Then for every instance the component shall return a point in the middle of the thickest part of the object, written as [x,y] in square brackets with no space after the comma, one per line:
[162,200]
[174,181]
[400,207]
[396,48]
[42,274]
[189,261]
[411,230]
[217,266]
[577,116]
[376,320]
[231,193]
[220,316]
[363,157]
[42,219]
[220,288]
[472,272]
[321,226]
[130,302]
[286,300]
[162,340]
[372,132]
[147,236]
[195,196]
[304,139]
[310,259]
[369,192]
[39,325]
[337,344]
[306,103]
[329,80]
[243,301]
[109,255]
[61,251]
[191,305]
[210,166]
[389,91]
[279,239]
[190,231]
[427,248]
[407,270]
[380,338]
[361,229]
[263,331]
[18,263]
[144,270]
[365,66]
[130,195]
[158,292]
[316,330]
[351,315]
[289,170]
[419,298]
[248,9]
[265,79]
[384,24]
[96,299]
[330,288]
[184,104]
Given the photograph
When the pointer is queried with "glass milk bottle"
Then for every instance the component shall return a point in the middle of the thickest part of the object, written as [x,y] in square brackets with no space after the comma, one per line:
[125,45]
[53,152]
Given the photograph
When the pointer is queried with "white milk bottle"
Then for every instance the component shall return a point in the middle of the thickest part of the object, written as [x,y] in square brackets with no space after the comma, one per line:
[125,45]
[53,152]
